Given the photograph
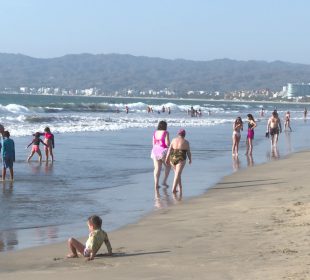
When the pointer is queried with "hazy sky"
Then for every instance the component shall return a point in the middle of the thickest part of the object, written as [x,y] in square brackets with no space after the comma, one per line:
[190,29]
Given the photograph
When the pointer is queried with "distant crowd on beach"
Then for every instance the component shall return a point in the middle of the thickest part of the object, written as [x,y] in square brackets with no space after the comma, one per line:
[7,149]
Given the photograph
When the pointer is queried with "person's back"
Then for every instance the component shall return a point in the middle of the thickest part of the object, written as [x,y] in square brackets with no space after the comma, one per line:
[8,155]
[179,144]
[159,138]
[8,150]
[96,239]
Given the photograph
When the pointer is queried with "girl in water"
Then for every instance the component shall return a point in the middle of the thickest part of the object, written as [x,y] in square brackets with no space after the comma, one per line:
[50,143]
[250,136]
[176,156]
[237,127]
[36,146]
[161,143]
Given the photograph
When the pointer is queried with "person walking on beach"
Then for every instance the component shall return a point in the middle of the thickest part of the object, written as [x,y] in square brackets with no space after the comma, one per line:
[8,155]
[161,143]
[178,151]
[95,239]
[287,123]
[237,127]
[36,146]
[305,113]
[49,141]
[250,135]
[274,128]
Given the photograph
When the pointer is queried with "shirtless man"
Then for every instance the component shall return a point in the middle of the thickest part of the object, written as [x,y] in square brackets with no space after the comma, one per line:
[274,128]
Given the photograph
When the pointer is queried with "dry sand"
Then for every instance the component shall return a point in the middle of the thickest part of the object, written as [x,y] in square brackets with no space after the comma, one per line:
[255,224]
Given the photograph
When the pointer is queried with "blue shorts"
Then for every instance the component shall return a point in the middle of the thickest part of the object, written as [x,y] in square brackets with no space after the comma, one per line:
[7,163]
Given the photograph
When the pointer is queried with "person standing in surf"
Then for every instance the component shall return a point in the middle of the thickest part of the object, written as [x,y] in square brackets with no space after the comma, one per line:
[274,128]
[287,123]
[8,155]
[161,143]
[1,135]
[49,141]
[237,127]
[250,135]
[36,146]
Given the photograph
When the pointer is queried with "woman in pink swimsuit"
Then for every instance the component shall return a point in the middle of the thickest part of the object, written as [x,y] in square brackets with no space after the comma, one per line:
[161,143]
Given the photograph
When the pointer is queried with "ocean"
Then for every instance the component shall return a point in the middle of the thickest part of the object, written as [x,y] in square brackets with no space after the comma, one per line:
[102,159]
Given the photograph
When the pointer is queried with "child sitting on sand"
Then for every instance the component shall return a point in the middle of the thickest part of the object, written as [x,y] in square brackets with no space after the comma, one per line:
[36,146]
[95,239]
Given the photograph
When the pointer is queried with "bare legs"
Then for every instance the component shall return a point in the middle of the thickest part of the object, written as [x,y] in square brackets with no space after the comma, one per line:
[32,153]
[274,139]
[4,173]
[287,125]
[157,170]
[49,150]
[249,146]
[235,146]
[75,247]
[177,181]
[167,171]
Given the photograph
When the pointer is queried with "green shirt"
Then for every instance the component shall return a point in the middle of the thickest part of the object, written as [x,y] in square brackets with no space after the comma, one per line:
[95,240]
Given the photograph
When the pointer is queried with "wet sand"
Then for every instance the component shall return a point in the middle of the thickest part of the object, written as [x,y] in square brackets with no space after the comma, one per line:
[254,224]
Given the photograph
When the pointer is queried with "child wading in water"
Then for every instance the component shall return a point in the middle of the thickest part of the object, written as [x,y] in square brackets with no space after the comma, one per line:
[49,141]
[8,155]
[95,239]
[36,146]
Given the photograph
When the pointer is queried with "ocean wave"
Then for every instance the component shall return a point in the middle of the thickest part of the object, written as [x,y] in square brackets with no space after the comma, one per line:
[104,107]
[88,123]
[13,109]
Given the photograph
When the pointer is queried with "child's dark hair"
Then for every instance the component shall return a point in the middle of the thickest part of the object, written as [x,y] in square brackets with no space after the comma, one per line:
[37,134]
[6,134]
[96,221]
[162,125]
[47,129]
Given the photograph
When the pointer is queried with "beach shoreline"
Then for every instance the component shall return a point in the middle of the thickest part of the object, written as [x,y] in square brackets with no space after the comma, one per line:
[252,225]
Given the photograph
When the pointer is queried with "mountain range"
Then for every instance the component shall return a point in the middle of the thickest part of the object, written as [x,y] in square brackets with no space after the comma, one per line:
[115,72]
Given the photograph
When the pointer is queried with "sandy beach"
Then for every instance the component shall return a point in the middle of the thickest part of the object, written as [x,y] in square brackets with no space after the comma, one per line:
[254,224]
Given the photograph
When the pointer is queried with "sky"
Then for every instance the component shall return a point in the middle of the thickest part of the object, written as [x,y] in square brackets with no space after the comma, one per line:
[188,29]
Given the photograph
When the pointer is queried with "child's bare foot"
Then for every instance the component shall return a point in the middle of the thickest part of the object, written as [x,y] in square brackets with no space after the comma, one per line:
[165,184]
[72,256]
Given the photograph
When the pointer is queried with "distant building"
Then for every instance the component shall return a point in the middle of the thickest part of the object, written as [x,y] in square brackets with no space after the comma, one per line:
[296,90]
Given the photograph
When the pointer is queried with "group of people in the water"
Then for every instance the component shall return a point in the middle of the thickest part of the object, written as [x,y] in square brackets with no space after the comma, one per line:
[274,128]
[7,148]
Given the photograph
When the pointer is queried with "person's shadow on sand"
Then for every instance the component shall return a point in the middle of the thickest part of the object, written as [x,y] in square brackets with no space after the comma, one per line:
[124,254]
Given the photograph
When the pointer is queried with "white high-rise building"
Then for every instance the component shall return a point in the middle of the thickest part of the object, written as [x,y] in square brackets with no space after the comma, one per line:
[297,89]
